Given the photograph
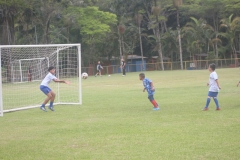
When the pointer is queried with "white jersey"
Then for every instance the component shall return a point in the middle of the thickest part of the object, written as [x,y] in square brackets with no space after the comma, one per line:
[49,77]
[213,87]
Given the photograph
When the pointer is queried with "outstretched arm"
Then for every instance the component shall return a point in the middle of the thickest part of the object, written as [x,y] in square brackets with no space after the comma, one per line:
[61,81]
[238,83]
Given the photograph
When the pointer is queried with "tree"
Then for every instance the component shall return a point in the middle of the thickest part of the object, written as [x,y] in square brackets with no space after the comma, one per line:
[93,23]
[232,26]
[156,10]
[154,17]
[177,4]
[169,43]
[138,18]
[198,35]
[8,12]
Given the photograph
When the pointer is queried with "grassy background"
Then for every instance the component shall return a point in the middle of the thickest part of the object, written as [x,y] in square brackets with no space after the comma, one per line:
[116,121]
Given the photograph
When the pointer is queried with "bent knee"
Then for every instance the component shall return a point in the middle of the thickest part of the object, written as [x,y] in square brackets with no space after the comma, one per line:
[53,94]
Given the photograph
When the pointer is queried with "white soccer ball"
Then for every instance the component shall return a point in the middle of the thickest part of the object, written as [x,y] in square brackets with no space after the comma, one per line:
[109,75]
[84,75]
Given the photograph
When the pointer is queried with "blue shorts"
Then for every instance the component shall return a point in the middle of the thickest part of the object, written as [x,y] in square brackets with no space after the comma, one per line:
[45,89]
[150,97]
[212,94]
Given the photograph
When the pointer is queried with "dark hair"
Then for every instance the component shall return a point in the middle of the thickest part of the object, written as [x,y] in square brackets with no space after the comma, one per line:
[50,68]
[212,66]
[142,75]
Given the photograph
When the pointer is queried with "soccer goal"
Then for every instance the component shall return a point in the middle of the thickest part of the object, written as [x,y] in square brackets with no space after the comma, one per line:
[26,70]
[23,67]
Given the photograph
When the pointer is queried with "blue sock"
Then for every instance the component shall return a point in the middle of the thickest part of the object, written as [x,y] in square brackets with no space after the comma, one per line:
[216,101]
[207,103]
[51,104]
[43,105]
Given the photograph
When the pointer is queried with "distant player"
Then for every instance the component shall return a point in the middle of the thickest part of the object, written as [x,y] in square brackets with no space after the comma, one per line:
[47,91]
[238,83]
[30,74]
[214,87]
[99,67]
[123,66]
[148,85]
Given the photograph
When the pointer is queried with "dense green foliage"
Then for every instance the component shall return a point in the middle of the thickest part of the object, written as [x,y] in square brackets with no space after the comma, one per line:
[177,29]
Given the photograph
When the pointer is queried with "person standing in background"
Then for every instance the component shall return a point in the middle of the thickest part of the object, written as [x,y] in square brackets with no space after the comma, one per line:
[30,73]
[123,66]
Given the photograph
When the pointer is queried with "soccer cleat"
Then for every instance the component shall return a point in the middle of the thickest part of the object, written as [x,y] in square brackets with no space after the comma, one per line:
[156,109]
[51,108]
[43,109]
[217,109]
[205,109]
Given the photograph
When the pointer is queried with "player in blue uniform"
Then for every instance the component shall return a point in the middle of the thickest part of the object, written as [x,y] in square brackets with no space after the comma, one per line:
[47,91]
[148,85]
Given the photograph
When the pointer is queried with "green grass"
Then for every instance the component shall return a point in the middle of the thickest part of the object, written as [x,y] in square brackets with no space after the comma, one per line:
[116,121]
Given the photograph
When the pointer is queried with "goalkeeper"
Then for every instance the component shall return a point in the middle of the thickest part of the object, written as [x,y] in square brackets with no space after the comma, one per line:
[47,91]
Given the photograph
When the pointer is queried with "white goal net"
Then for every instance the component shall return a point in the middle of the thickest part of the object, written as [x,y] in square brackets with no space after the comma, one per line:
[27,70]
[23,67]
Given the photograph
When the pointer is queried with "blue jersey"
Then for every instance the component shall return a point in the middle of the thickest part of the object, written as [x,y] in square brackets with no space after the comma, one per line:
[147,85]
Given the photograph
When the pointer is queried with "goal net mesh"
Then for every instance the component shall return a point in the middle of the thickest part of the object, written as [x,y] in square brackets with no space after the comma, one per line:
[23,69]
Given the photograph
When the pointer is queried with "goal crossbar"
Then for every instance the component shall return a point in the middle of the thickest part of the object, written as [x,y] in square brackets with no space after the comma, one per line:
[31,59]
[47,45]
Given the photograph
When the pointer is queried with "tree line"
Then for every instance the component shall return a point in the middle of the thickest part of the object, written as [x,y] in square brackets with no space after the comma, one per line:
[177,29]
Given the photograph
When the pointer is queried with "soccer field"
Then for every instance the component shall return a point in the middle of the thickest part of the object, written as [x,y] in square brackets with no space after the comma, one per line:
[116,121]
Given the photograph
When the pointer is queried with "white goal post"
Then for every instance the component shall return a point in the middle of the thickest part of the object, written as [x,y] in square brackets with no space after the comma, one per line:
[23,67]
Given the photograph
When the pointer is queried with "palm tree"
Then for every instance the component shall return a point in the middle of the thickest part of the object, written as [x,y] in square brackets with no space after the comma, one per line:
[156,11]
[138,18]
[200,34]
[232,26]
[169,42]
[177,4]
